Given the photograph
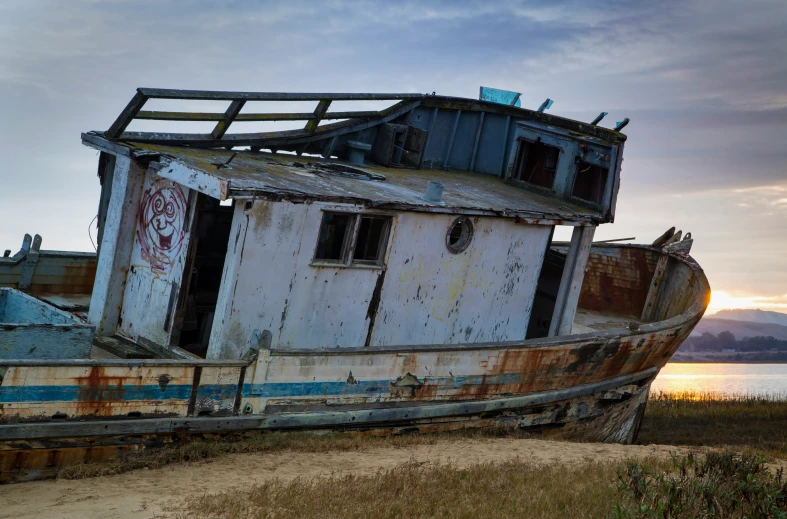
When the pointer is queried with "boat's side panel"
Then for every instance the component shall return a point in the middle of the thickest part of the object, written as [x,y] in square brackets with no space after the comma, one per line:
[325,381]
[53,272]
[61,392]
[45,341]
[425,294]
[483,294]
[270,284]
[44,393]
[31,328]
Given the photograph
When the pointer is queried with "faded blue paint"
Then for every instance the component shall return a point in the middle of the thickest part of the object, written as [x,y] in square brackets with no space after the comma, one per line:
[33,329]
[217,392]
[19,308]
[501,97]
[373,387]
[19,394]
[464,138]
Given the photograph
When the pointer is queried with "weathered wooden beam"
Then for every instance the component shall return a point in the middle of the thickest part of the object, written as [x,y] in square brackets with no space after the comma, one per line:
[129,363]
[208,95]
[127,115]
[654,292]
[205,116]
[196,179]
[319,112]
[97,142]
[571,281]
[268,139]
[29,265]
[232,112]
[116,244]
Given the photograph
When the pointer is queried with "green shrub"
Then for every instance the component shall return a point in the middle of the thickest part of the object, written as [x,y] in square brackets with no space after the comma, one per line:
[723,485]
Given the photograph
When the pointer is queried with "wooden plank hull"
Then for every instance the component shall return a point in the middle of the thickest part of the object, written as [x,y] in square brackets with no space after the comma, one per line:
[590,386]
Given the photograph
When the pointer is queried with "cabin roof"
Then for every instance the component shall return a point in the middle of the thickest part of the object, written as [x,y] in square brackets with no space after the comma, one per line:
[303,178]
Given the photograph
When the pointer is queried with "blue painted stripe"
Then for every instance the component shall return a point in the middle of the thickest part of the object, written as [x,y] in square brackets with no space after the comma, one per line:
[367,387]
[16,394]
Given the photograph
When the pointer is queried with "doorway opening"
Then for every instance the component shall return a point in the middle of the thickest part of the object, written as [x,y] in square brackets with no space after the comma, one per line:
[202,276]
[546,291]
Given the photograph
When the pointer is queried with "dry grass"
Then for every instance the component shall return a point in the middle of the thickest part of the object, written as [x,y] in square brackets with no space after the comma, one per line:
[205,449]
[742,422]
[720,485]
[745,423]
[514,489]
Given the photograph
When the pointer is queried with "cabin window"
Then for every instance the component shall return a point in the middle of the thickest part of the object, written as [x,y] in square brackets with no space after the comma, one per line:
[590,182]
[536,163]
[370,243]
[333,236]
[460,234]
[352,239]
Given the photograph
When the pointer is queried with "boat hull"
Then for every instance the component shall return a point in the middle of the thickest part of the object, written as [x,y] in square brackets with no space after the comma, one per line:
[590,387]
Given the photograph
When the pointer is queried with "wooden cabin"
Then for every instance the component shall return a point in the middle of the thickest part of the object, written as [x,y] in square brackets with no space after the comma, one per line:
[429,222]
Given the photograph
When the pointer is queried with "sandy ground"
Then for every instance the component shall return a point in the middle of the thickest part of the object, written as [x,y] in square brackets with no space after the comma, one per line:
[145,494]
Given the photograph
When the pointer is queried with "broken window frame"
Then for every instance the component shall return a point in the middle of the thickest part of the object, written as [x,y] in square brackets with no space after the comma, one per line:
[597,156]
[520,159]
[350,241]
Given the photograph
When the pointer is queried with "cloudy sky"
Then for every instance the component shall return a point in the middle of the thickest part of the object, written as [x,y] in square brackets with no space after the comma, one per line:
[704,84]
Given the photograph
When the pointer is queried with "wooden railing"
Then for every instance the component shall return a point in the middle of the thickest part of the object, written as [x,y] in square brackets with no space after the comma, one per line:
[133,110]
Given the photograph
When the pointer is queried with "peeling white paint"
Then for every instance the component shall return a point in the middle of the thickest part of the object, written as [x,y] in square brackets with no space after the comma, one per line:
[428,295]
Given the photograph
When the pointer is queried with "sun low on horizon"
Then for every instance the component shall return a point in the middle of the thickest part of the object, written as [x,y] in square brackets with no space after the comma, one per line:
[722,300]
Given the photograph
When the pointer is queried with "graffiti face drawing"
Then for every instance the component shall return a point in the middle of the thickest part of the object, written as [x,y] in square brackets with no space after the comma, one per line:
[160,230]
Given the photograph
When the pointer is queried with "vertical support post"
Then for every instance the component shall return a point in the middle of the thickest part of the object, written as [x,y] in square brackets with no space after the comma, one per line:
[106,171]
[649,309]
[477,140]
[117,241]
[432,119]
[446,165]
[571,281]
[29,266]
[504,145]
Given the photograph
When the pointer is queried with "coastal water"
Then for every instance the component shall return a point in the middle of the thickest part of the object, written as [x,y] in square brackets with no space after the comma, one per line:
[723,378]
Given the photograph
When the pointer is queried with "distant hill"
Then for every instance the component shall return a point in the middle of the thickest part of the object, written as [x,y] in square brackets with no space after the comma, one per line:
[740,329]
[754,316]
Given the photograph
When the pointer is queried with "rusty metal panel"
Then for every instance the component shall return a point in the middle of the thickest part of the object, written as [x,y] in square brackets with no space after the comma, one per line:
[618,279]
[65,392]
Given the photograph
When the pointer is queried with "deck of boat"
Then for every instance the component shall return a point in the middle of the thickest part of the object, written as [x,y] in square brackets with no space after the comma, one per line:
[587,321]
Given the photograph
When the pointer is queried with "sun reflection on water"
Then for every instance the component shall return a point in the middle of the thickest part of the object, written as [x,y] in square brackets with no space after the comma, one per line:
[723,379]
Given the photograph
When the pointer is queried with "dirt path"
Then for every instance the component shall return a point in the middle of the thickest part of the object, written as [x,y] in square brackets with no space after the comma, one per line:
[145,494]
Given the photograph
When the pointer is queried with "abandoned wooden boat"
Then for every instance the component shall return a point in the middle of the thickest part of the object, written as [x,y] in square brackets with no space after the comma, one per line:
[397,273]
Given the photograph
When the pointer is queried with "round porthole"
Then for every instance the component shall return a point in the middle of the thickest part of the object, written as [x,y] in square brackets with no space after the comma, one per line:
[460,234]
